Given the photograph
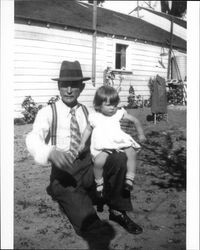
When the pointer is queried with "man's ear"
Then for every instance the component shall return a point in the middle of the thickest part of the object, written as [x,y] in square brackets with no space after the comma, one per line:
[82,87]
[58,85]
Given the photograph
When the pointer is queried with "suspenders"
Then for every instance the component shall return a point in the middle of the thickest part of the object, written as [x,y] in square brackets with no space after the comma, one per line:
[52,131]
[85,111]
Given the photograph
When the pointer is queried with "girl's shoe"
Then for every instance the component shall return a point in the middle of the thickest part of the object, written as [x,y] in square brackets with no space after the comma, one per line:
[99,190]
[128,185]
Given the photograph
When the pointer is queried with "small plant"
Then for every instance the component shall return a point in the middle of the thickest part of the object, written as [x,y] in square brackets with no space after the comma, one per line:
[31,109]
[134,101]
[147,103]
[53,99]
[109,77]
[175,95]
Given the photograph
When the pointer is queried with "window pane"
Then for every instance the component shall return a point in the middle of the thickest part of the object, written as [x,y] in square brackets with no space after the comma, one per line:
[120,60]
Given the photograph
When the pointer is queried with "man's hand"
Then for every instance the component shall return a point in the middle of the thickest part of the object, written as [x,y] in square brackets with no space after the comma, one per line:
[59,159]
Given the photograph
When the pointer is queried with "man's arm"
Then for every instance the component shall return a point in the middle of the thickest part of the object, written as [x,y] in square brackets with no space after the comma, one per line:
[44,153]
[35,140]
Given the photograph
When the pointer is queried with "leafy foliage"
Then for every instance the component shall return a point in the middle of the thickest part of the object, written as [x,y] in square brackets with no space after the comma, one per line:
[175,95]
[136,101]
[53,99]
[31,108]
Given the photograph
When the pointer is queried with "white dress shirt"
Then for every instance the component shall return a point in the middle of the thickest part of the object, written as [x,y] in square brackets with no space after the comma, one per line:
[35,140]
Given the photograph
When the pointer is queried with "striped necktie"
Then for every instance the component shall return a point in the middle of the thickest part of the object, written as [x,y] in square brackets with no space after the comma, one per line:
[75,136]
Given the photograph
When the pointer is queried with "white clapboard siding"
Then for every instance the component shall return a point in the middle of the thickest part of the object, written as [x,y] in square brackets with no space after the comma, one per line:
[39,52]
[38,55]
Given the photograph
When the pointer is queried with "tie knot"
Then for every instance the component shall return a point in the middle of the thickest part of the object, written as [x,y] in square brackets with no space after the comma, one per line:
[72,111]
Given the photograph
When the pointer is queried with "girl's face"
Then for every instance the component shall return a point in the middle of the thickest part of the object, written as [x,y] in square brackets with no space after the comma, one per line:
[108,109]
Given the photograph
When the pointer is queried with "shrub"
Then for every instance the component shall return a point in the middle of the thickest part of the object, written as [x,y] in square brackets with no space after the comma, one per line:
[175,95]
[31,109]
[133,100]
[53,99]
[136,101]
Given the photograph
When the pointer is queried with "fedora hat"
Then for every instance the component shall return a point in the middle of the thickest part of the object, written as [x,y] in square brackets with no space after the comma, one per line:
[71,71]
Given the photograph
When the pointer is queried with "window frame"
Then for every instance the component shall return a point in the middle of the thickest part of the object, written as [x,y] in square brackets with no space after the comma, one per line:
[122,55]
[128,59]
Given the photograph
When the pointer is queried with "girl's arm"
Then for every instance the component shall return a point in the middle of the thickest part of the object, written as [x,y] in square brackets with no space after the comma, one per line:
[137,125]
[86,134]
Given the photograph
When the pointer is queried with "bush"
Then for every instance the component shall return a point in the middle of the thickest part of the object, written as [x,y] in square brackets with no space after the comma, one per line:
[31,109]
[136,101]
[175,95]
[133,100]
[53,100]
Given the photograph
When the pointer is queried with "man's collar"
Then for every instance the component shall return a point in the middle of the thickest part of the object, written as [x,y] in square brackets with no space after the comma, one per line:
[69,108]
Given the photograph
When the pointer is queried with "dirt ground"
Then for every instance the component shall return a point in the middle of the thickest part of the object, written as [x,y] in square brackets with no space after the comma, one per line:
[159,198]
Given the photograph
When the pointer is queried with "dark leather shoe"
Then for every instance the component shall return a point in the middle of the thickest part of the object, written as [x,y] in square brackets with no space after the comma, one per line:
[128,187]
[126,223]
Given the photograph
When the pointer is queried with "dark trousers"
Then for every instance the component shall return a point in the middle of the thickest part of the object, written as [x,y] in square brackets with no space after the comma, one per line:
[75,191]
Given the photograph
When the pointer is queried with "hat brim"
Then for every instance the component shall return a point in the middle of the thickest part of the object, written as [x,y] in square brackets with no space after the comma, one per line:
[71,79]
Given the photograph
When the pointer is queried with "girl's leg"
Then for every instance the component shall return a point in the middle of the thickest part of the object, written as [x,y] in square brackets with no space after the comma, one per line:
[99,162]
[131,167]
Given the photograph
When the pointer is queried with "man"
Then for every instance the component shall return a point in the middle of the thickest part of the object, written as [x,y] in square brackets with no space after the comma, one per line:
[71,180]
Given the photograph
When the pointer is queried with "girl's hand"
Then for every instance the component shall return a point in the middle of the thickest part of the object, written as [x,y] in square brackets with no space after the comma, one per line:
[142,138]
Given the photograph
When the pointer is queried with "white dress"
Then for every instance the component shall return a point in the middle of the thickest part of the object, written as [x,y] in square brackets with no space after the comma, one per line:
[107,133]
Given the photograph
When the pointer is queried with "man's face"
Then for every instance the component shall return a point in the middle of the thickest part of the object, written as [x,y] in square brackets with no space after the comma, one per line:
[70,92]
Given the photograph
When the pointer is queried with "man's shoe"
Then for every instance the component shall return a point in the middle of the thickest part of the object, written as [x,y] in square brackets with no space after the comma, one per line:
[126,222]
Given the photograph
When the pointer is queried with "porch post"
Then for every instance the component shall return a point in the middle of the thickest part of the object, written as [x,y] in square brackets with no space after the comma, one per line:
[94,37]
[170,49]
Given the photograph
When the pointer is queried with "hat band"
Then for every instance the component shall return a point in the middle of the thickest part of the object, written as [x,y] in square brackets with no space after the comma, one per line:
[71,73]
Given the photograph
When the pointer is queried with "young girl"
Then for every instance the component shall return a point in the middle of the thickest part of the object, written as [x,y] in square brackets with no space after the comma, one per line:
[104,124]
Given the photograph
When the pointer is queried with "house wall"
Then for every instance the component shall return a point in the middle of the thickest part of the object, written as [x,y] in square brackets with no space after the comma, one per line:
[142,60]
[39,52]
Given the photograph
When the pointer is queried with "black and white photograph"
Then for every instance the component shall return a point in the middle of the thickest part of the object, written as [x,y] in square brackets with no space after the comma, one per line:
[98,106]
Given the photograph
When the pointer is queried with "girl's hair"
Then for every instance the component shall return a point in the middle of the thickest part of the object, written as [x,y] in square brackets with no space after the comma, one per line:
[105,94]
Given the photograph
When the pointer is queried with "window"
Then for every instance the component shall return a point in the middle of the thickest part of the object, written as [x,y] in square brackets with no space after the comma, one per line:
[120,59]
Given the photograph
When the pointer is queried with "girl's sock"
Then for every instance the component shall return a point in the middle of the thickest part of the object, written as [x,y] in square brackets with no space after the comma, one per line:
[129,181]
[99,186]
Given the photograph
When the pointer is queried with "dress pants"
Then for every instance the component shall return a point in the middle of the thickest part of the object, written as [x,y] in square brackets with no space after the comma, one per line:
[74,191]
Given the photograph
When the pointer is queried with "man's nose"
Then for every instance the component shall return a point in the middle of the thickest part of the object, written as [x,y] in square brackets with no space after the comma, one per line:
[69,89]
